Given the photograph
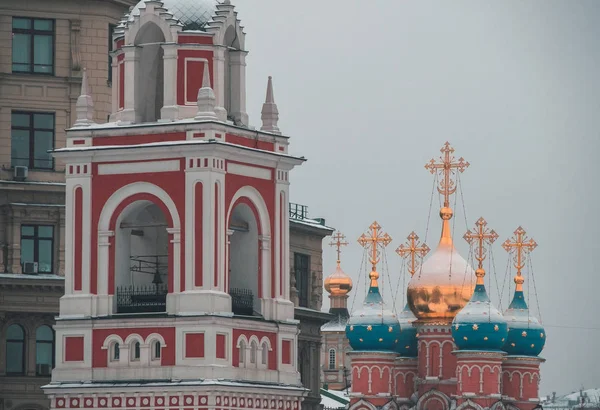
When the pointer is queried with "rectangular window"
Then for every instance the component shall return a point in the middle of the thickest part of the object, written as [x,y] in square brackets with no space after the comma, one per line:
[111,30]
[302,269]
[37,245]
[32,136]
[32,45]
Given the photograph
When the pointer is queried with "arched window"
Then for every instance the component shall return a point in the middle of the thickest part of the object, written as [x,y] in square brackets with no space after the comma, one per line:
[135,354]
[242,345]
[332,359]
[15,350]
[253,351]
[44,350]
[115,352]
[265,354]
[156,350]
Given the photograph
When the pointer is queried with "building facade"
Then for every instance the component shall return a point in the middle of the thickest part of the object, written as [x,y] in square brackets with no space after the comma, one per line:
[44,50]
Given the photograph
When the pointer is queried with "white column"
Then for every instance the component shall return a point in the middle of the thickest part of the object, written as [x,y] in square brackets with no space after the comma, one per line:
[115,85]
[230,233]
[282,185]
[170,110]
[265,263]
[237,61]
[104,301]
[219,82]
[131,61]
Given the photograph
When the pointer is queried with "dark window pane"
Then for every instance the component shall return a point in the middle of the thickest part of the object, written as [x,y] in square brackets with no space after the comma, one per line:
[14,357]
[46,231]
[43,358]
[44,141]
[21,23]
[45,256]
[20,120]
[27,231]
[19,148]
[43,121]
[27,250]
[42,46]
[21,48]
[44,333]
[15,332]
[42,25]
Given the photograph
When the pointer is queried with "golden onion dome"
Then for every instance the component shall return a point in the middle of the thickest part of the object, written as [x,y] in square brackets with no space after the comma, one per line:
[445,282]
[338,283]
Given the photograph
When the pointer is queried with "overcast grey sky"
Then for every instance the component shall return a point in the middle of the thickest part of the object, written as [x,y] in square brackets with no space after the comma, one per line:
[370,90]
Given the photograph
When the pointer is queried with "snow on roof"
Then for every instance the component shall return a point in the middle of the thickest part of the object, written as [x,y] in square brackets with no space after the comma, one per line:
[334,399]
[34,183]
[312,223]
[30,277]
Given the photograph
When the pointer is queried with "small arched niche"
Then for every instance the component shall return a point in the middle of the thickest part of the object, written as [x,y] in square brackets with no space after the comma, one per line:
[244,268]
[141,258]
[149,87]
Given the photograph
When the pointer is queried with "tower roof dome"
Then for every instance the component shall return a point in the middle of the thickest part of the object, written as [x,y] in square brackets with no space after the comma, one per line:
[338,283]
[373,327]
[526,335]
[479,325]
[407,341]
[192,14]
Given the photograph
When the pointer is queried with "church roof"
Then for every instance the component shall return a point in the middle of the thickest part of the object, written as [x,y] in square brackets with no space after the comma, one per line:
[192,14]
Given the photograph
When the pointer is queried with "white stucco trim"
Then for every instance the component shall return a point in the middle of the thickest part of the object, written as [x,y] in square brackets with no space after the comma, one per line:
[139,167]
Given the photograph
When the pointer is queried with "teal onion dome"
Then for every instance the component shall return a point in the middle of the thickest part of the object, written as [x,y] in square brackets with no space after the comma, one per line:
[373,327]
[526,335]
[407,341]
[479,325]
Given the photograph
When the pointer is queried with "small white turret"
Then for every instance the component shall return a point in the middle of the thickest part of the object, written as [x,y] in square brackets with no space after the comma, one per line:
[206,99]
[269,113]
[85,105]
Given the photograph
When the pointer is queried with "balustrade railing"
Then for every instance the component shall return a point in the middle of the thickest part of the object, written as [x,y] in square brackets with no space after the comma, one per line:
[142,299]
[242,301]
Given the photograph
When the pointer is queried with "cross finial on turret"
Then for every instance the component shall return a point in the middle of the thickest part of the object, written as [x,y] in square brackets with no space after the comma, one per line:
[479,237]
[413,249]
[85,105]
[521,246]
[374,241]
[206,99]
[270,113]
[338,240]
[447,167]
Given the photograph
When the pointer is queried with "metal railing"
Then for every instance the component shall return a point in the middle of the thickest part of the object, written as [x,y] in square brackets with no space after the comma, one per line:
[242,301]
[298,212]
[141,299]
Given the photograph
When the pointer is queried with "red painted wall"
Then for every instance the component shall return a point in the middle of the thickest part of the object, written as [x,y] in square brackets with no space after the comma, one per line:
[195,70]
[138,139]
[73,349]
[286,352]
[194,39]
[221,344]
[100,356]
[78,239]
[249,142]
[194,345]
[198,234]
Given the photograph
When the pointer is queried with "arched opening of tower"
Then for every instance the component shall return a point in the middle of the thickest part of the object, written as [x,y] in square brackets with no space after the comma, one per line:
[141,259]
[150,81]
[244,266]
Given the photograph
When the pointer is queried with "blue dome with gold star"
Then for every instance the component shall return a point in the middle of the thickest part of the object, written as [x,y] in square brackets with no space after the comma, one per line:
[407,341]
[479,325]
[526,336]
[373,327]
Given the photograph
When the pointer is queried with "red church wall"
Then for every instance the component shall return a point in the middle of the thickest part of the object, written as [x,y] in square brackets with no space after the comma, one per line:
[198,237]
[194,39]
[138,139]
[189,74]
[74,351]
[249,142]
[248,334]
[194,345]
[100,356]
[77,252]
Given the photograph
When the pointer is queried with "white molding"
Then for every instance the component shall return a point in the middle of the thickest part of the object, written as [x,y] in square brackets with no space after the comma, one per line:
[139,167]
[249,171]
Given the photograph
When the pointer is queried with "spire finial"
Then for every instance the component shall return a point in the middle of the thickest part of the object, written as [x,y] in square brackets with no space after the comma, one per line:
[521,245]
[376,239]
[413,248]
[270,113]
[338,240]
[206,99]
[85,105]
[480,236]
[447,186]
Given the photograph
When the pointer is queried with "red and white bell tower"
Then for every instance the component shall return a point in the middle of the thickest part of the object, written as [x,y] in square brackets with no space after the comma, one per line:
[177,265]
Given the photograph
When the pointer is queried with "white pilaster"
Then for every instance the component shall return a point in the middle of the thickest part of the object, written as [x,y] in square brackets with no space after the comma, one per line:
[237,63]
[170,111]
[131,61]
[219,82]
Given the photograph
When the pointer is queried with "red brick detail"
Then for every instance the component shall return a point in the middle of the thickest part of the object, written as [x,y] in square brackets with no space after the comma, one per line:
[199,135]
[145,401]
[116,402]
[286,351]
[102,402]
[138,139]
[281,149]
[75,402]
[221,345]
[88,402]
[194,39]
[78,240]
[160,401]
[78,142]
[60,403]
[194,74]
[218,135]
[194,345]
[188,401]
[198,237]
[173,401]
[249,142]
[73,349]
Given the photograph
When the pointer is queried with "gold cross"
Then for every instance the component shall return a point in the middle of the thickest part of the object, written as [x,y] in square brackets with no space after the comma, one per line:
[480,236]
[338,240]
[447,165]
[521,245]
[413,248]
[376,239]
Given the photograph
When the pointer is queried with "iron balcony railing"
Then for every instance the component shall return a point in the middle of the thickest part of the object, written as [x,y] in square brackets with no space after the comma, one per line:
[141,299]
[298,212]
[242,301]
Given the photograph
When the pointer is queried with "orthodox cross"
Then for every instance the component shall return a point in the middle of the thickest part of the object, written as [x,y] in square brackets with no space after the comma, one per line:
[521,245]
[479,237]
[338,240]
[376,239]
[446,166]
[413,249]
